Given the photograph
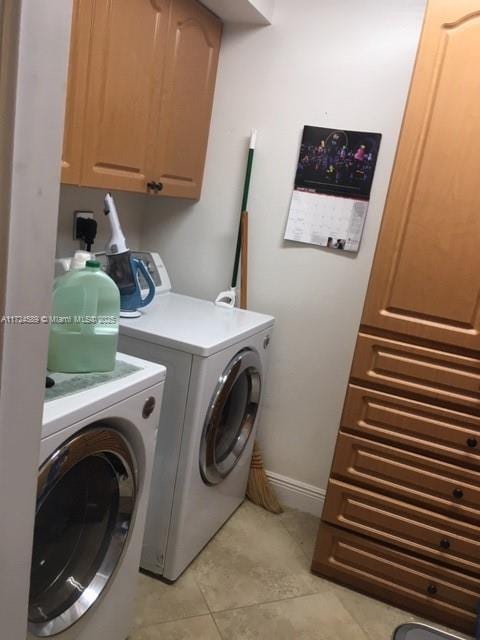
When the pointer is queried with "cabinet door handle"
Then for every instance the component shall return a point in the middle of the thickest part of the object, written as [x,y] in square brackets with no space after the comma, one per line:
[154,186]
[457,493]
[445,543]
[432,589]
[472,443]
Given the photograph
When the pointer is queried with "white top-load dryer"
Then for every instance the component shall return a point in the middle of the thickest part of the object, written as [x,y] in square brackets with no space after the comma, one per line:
[96,457]
[216,359]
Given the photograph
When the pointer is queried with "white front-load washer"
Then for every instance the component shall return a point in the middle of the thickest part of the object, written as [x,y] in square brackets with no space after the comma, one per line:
[98,438]
[216,359]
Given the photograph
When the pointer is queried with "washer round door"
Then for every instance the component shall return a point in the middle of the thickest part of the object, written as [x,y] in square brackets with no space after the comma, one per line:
[85,506]
[231,416]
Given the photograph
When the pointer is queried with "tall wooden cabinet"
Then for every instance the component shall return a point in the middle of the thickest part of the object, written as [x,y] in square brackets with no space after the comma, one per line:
[140,93]
[402,515]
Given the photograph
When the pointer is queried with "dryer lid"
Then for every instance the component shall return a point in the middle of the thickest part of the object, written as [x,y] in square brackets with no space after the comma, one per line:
[199,327]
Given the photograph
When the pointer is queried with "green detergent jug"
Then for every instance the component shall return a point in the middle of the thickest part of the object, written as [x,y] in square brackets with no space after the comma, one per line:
[84,321]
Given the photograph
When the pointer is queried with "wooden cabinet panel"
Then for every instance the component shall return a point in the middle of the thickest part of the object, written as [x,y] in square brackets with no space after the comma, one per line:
[418,530]
[413,425]
[424,587]
[433,483]
[76,90]
[420,370]
[126,62]
[425,277]
[190,72]
[414,391]
[140,94]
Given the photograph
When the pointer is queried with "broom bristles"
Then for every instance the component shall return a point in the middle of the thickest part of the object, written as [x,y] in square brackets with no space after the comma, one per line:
[259,490]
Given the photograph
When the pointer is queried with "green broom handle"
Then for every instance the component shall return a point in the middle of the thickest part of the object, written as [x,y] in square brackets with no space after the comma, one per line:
[246,187]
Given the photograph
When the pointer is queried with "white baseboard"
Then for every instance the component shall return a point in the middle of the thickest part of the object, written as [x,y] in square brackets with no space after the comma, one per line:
[297,495]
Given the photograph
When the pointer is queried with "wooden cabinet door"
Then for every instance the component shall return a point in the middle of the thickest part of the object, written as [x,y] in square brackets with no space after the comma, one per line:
[418,585]
[420,531]
[189,82]
[410,424]
[126,62]
[76,91]
[425,280]
[422,371]
[434,484]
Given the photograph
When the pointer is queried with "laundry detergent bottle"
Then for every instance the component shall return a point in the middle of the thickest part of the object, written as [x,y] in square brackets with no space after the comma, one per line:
[84,321]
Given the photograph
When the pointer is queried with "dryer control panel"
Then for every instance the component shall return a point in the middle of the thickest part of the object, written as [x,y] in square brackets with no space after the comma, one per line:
[155,266]
[157,270]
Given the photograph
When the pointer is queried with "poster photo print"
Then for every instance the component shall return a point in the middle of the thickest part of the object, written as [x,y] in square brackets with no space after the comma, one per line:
[332,187]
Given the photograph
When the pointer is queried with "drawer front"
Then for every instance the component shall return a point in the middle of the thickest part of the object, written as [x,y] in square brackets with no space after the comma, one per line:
[403,525]
[428,589]
[419,370]
[433,483]
[414,425]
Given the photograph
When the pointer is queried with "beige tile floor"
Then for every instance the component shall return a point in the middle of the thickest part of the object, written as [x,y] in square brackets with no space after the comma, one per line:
[253,582]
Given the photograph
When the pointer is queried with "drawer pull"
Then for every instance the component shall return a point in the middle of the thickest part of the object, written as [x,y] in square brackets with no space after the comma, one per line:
[432,589]
[457,493]
[472,443]
[154,186]
[445,543]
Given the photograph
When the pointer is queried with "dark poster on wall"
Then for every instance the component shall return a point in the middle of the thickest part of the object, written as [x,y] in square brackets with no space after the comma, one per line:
[337,162]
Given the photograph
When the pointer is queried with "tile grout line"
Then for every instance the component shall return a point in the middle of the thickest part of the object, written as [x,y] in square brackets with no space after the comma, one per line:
[296,541]
[194,578]
[217,627]
[266,602]
[207,605]
[159,624]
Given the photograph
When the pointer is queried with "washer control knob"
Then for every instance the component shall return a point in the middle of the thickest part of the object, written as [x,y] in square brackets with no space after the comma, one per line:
[148,407]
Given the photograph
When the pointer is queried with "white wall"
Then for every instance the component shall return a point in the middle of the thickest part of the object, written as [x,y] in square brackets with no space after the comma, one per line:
[37,138]
[343,64]
[130,207]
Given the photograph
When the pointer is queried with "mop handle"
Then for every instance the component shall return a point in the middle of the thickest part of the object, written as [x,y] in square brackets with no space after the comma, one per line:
[246,187]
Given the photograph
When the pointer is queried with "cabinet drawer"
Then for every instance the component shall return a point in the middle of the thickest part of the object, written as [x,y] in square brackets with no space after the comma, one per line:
[403,525]
[418,370]
[414,425]
[438,485]
[428,589]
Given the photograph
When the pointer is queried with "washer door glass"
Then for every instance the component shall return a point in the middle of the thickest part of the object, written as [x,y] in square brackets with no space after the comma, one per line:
[85,505]
[231,416]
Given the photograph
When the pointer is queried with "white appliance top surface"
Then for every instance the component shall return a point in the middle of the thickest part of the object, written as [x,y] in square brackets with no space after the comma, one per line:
[195,326]
[62,412]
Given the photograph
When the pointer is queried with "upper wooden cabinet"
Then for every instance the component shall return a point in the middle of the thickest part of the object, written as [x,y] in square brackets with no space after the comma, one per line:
[126,61]
[425,281]
[76,90]
[146,71]
[190,72]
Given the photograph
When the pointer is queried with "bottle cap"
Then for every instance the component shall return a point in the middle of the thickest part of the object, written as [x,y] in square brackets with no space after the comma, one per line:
[93,263]
[79,259]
